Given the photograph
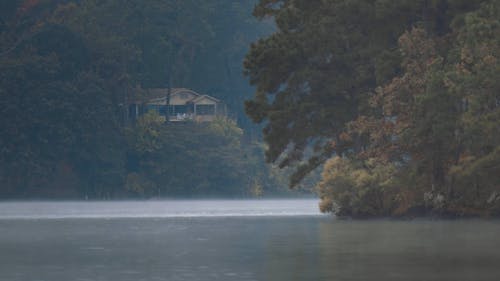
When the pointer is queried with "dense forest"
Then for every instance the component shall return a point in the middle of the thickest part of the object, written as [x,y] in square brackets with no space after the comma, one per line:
[67,71]
[397,101]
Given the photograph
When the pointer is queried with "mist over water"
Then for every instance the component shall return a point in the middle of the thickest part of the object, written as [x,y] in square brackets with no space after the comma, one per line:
[159,209]
[232,240]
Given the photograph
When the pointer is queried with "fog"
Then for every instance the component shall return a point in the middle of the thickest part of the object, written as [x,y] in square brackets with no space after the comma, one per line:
[159,209]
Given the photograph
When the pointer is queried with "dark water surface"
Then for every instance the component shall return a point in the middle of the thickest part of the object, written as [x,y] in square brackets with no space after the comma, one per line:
[235,240]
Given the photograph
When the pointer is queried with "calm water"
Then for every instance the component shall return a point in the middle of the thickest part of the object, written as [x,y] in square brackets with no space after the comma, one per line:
[235,240]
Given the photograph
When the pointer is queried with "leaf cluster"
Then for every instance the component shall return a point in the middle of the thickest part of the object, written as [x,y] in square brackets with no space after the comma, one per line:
[408,83]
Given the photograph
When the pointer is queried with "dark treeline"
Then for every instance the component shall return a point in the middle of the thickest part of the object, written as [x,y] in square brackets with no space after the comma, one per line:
[68,70]
[400,100]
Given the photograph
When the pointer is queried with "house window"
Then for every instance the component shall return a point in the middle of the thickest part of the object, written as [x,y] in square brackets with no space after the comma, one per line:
[162,109]
[151,107]
[205,109]
[178,109]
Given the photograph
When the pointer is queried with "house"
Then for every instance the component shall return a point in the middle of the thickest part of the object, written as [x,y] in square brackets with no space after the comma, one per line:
[184,105]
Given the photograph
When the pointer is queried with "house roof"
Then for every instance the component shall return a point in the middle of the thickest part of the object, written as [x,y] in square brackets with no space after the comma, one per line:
[204,97]
[159,95]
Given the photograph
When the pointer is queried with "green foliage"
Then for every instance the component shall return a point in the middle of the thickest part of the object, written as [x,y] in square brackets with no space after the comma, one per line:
[256,189]
[190,159]
[413,84]
[190,43]
[313,75]
[146,132]
[68,70]
[137,184]
[55,110]
[228,129]
[357,188]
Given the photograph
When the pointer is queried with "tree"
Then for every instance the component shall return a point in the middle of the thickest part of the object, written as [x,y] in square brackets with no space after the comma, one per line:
[424,124]
[314,74]
[407,84]
[358,188]
[68,70]
[187,159]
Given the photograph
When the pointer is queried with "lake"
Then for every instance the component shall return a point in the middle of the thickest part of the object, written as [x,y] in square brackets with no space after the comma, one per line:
[235,240]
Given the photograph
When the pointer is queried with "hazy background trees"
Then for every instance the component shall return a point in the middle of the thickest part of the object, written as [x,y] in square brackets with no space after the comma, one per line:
[67,71]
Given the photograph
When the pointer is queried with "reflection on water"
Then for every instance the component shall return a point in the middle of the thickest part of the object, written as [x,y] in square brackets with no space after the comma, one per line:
[245,248]
[418,250]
